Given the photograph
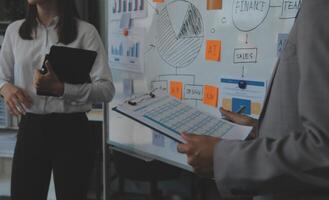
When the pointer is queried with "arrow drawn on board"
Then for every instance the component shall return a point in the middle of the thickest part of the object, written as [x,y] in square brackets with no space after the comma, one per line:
[246,38]
[150,48]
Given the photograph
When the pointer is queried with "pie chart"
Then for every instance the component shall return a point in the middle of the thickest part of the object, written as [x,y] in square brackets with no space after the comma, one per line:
[180,33]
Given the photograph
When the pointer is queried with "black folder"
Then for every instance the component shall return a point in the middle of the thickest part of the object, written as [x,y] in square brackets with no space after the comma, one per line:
[71,65]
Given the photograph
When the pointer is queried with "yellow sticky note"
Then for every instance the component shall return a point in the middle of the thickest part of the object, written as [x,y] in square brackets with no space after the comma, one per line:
[227,104]
[210,95]
[176,89]
[213,50]
[214,4]
[158,1]
[256,108]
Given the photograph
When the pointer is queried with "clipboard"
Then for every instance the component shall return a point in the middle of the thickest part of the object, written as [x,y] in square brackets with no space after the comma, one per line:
[71,65]
[172,117]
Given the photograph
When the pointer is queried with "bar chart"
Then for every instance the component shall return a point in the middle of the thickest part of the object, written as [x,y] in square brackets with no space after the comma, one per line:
[137,8]
[133,51]
[126,53]
[117,50]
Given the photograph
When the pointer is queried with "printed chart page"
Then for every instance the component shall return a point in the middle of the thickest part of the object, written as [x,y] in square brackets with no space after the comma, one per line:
[172,117]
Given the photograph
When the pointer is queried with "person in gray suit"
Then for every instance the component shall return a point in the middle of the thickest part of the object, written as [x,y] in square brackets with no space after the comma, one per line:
[289,158]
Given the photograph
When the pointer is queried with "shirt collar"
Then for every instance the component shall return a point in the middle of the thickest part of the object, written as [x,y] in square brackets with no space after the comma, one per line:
[53,22]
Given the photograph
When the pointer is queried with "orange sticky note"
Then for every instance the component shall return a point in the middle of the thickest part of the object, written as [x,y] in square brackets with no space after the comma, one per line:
[176,89]
[213,50]
[158,1]
[214,4]
[227,104]
[210,95]
[256,108]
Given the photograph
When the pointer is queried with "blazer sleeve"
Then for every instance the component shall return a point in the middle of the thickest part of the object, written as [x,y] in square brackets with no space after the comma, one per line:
[299,162]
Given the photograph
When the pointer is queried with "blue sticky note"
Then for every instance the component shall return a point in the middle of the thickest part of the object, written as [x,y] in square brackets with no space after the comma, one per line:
[238,103]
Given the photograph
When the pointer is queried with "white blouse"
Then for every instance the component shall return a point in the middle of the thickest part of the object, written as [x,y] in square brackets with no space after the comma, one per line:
[19,58]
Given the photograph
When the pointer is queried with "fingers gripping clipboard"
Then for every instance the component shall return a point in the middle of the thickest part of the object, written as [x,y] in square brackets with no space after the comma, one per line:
[71,65]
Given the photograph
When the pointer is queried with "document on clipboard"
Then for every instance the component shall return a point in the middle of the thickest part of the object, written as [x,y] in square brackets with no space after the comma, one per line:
[171,117]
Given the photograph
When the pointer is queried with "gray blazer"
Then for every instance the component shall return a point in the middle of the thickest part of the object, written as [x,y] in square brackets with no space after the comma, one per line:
[290,157]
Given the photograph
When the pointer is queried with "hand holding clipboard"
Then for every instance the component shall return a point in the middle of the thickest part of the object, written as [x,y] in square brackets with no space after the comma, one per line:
[46,81]
[70,65]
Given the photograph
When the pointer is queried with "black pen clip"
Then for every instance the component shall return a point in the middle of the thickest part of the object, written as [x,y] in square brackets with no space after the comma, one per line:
[44,69]
[135,101]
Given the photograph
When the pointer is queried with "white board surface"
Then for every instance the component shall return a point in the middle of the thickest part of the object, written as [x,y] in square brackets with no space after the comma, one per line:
[252,35]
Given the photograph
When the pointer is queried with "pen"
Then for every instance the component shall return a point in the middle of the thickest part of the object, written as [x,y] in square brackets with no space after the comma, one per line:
[241,110]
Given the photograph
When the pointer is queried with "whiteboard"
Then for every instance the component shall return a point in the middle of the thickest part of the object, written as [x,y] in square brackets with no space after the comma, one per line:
[173,48]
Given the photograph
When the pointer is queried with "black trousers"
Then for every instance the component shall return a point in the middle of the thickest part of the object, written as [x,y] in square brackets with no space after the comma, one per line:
[58,143]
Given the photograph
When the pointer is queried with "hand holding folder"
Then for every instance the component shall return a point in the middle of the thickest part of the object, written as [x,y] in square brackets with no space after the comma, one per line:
[46,81]
[70,65]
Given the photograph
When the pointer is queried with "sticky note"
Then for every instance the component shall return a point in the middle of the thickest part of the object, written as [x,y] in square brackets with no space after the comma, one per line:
[158,1]
[210,96]
[214,4]
[176,89]
[256,108]
[227,104]
[213,50]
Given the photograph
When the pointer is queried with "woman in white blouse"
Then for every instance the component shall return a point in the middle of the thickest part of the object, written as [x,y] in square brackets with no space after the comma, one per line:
[53,134]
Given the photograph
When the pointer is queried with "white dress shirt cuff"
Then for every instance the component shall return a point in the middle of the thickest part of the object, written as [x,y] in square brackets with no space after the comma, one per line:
[70,91]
